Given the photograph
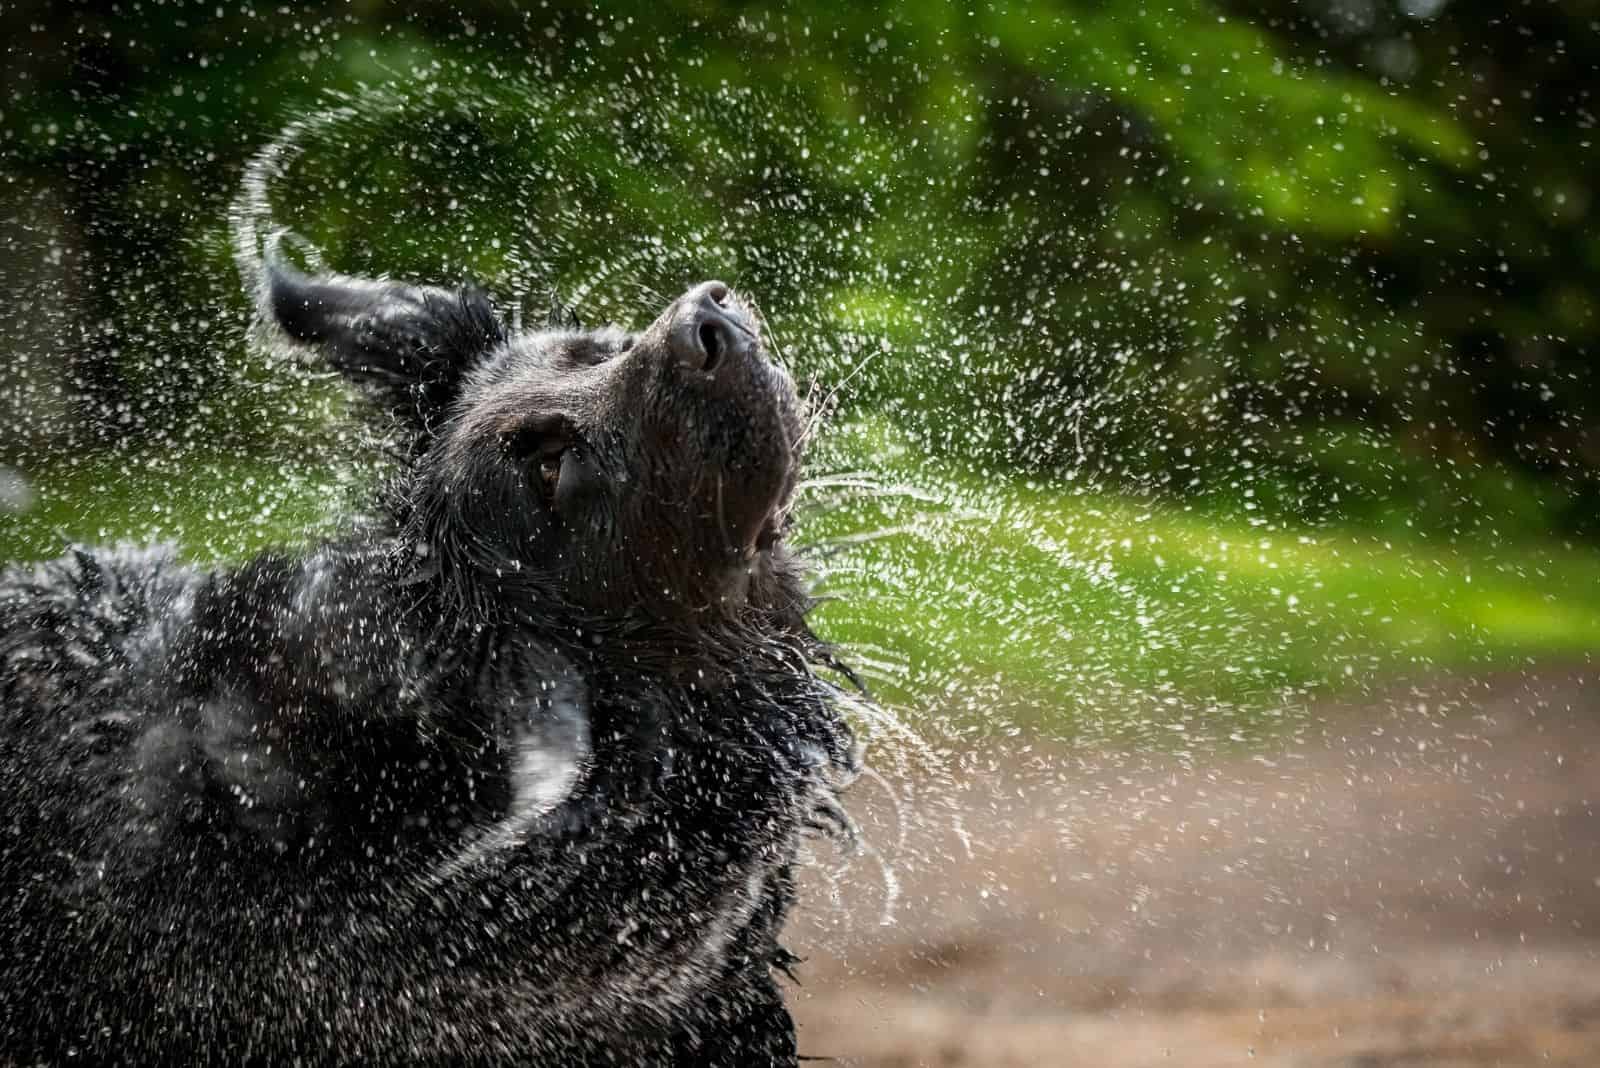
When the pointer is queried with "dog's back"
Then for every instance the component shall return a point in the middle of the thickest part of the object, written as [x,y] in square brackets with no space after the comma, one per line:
[72,628]
[80,636]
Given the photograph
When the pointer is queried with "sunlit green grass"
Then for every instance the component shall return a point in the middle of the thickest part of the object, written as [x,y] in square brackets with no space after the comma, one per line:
[1061,593]
[988,596]
[994,593]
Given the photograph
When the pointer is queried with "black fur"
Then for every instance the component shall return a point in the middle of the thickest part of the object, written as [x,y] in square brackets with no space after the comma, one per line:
[516,771]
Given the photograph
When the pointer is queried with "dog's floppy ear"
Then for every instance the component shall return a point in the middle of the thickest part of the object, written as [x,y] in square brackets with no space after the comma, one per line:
[409,346]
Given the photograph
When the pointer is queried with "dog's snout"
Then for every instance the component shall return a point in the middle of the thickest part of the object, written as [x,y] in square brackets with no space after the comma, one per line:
[709,329]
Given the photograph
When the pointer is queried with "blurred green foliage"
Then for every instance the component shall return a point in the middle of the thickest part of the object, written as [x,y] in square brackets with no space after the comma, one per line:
[1325,257]
[1196,307]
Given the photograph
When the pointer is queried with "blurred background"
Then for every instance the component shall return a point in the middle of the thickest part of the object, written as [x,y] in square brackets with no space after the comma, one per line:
[1209,387]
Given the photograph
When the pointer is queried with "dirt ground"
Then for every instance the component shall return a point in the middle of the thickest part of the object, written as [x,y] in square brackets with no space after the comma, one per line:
[1414,880]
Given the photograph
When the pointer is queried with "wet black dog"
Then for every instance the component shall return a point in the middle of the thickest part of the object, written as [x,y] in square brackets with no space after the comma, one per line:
[517,771]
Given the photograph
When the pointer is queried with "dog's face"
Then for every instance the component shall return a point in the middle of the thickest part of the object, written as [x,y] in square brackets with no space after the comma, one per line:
[649,470]
[638,468]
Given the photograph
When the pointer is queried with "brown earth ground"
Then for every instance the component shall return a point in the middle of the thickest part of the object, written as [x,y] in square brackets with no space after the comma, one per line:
[1413,880]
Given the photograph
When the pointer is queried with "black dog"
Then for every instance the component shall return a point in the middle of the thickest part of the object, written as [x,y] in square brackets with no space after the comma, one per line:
[516,771]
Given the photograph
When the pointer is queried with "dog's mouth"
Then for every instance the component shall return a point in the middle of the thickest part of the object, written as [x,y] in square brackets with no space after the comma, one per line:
[776,520]
[772,530]
[761,466]
[753,495]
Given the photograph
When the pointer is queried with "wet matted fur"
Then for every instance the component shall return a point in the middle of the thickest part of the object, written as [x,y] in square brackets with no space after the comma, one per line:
[516,770]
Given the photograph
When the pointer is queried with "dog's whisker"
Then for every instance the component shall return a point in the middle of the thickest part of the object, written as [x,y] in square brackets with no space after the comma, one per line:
[820,410]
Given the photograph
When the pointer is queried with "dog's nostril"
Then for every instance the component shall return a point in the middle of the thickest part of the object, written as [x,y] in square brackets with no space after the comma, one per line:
[711,343]
[707,328]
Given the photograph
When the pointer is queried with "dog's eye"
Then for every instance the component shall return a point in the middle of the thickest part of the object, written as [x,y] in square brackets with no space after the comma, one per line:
[549,474]
[540,447]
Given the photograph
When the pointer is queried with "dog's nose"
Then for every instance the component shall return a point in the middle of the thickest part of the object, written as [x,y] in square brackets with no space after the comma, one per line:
[707,330]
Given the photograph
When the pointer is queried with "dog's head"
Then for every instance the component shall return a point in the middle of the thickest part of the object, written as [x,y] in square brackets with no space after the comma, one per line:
[647,471]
